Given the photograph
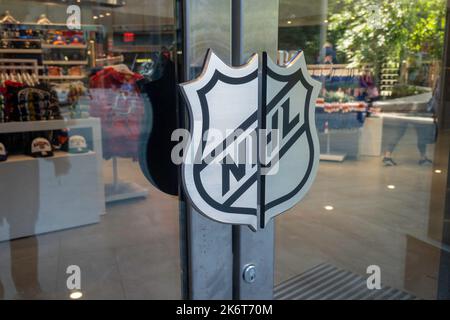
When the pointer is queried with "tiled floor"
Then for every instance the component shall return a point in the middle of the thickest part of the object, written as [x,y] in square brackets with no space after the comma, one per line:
[134,253]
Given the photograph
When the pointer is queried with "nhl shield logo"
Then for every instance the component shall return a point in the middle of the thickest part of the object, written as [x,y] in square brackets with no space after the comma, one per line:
[254,150]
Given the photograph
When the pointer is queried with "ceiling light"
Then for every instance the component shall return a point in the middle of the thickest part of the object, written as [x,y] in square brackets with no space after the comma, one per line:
[95,17]
[289,22]
[76,295]
[391,186]
[437,171]
[108,14]
[101,16]
[329,208]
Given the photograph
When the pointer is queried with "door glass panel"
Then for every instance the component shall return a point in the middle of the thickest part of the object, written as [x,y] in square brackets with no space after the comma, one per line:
[372,226]
[81,83]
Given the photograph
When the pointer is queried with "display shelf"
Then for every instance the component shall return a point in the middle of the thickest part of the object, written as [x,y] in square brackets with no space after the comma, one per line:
[23,40]
[62,77]
[47,125]
[29,126]
[51,26]
[64,62]
[49,194]
[145,48]
[370,142]
[124,190]
[20,67]
[56,154]
[20,51]
[335,157]
[64,46]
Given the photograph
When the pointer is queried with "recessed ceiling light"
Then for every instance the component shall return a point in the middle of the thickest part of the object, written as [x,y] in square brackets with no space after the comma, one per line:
[101,16]
[289,22]
[437,171]
[329,208]
[108,14]
[391,186]
[76,295]
[95,17]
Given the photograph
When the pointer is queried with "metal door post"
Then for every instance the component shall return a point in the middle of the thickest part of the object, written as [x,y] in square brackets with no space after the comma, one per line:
[254,29]
[217,253]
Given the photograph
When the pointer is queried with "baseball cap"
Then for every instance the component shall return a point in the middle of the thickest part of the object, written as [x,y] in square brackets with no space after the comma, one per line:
[41,148]
[77,144]
[3,152]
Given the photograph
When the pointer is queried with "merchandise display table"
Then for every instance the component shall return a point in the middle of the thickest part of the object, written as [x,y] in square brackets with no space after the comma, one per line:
[39,195]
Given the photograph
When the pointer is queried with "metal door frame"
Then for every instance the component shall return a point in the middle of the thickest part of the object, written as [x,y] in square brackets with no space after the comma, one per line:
[214,255]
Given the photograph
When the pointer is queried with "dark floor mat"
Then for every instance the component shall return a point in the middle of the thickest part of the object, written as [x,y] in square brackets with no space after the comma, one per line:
[327,282]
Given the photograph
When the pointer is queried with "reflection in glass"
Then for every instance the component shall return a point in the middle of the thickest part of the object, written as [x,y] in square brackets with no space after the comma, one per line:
[377,119]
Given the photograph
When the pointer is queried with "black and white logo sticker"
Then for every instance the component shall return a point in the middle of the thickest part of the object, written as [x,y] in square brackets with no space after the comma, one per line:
[254,146]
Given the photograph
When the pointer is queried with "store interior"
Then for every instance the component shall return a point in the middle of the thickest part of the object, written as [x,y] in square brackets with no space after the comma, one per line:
[72,131]
[73,161]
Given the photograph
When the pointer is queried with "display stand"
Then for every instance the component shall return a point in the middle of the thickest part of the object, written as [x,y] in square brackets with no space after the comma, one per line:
[56,193]
[328,156]
[370,143]
[122,190]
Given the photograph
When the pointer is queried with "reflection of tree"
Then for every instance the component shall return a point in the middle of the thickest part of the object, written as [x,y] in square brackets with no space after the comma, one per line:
[373,31]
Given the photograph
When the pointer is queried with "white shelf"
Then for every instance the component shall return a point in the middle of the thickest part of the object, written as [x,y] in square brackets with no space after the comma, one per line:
[332,157]
[64,62]
[124,191]
[64,46]
[29,126]
[24,161]
[62,77]
[25,51]
[50,194]
[56,154]
[23,40]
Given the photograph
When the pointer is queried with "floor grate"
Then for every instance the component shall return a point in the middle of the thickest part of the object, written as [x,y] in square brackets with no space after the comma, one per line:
[327,282]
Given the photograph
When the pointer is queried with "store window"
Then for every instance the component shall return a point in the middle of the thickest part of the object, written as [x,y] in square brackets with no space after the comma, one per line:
[81,82]
[89,204]
[376,208]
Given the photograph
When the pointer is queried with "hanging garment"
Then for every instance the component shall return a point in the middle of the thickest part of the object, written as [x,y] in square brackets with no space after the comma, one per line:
[115,99]
[155,154]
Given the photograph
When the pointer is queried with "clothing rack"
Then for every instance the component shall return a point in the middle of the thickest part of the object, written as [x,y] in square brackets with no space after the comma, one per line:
[335,70]
[102,62]
[328,156]
[21,70]
[340,70]
[120,190]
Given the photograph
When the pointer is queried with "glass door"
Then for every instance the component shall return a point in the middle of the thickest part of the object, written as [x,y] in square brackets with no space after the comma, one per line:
[373,224]
[82,83]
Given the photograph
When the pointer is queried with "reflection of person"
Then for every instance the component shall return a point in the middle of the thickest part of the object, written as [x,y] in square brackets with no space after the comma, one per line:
[396,128]
[371,93]
[24,272]
[327,54]
[24,269]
